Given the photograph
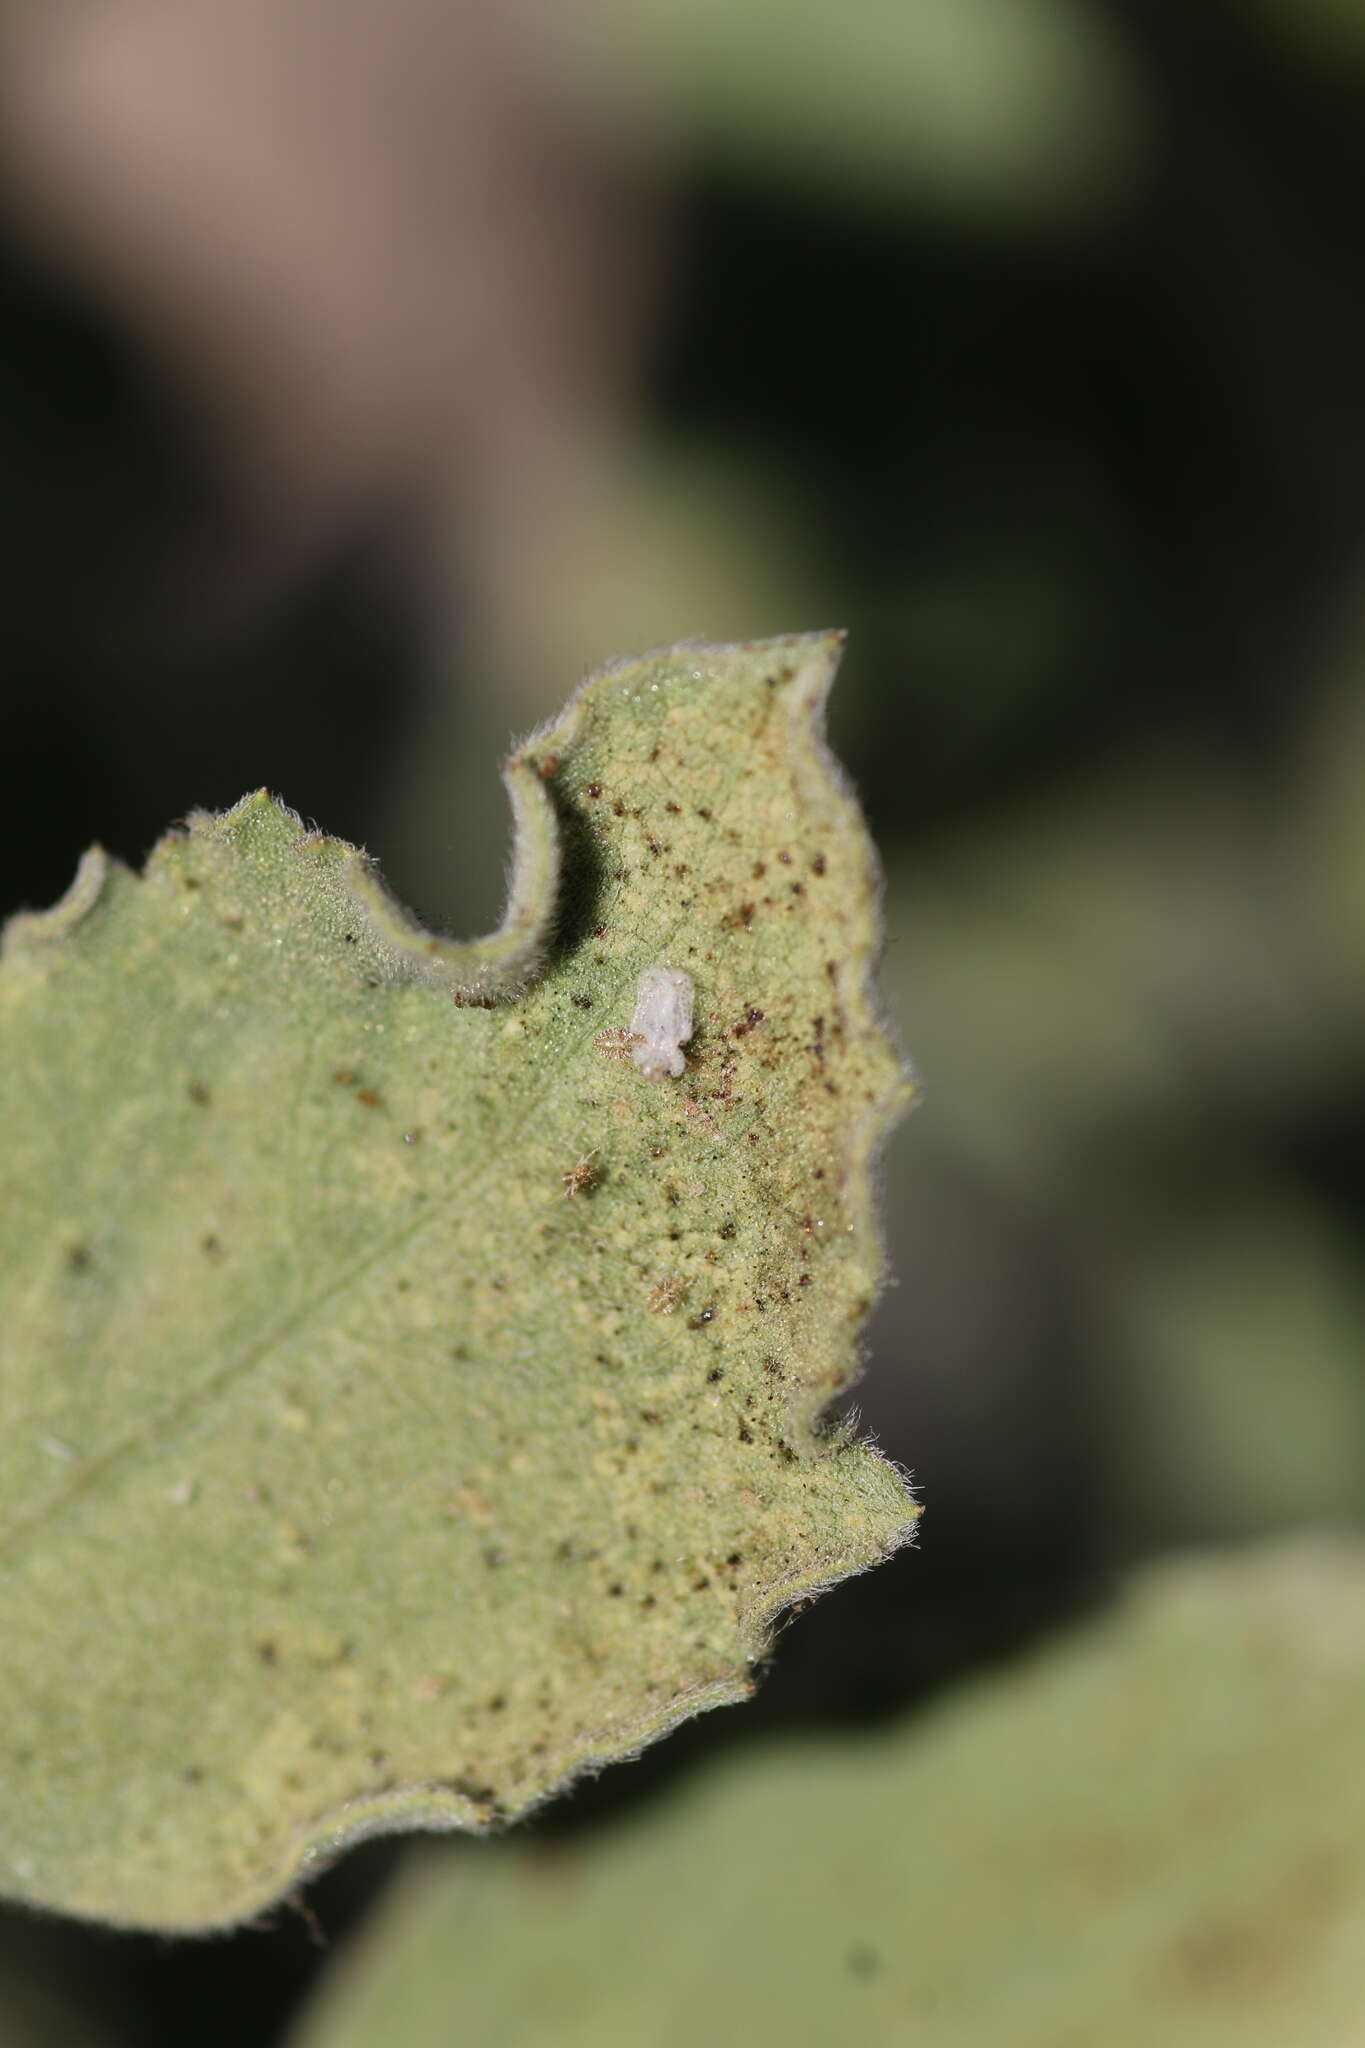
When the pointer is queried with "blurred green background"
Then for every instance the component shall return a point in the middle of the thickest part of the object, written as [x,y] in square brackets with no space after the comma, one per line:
[368,374]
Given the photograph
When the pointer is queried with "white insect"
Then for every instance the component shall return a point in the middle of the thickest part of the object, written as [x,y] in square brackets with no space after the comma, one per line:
[663,1020]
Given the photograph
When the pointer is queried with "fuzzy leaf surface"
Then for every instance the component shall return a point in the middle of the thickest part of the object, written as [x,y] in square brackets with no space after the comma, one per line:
[404,1403]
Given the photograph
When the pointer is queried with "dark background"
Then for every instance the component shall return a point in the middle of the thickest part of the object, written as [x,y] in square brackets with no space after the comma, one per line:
[1066,429]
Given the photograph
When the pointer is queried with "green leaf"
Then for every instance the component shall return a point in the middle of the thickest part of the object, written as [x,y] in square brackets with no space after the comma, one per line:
[406,1403]
[1011,110]
[1154,1834]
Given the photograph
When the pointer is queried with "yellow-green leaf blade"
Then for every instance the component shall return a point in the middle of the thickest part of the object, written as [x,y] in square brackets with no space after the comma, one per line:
[404,1402]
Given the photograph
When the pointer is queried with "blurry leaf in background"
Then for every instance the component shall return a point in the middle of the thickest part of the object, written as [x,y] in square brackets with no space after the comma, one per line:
[1238,1401]
[1106,992]
[1000,108]
[1151,1833]
[408,1404]
[1097,967]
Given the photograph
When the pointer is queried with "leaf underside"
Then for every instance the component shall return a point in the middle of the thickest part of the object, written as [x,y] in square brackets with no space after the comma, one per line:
[404,1404]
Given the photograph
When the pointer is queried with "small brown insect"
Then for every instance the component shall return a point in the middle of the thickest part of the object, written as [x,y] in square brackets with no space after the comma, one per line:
[615,1044]
[664,1298]
[582,1178]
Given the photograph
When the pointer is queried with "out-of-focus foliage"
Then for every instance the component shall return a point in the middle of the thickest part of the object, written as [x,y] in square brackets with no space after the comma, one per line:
[1154,1833]
[997,108]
